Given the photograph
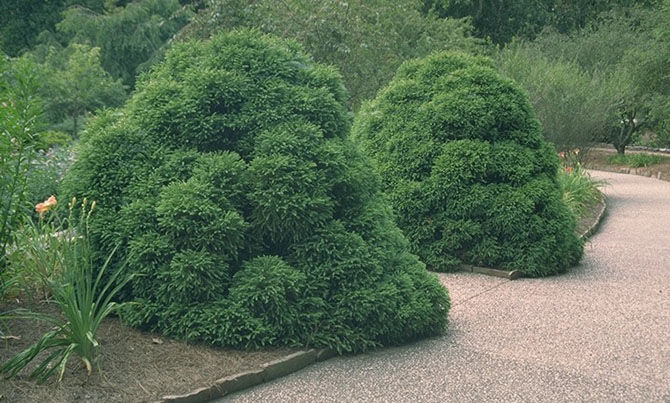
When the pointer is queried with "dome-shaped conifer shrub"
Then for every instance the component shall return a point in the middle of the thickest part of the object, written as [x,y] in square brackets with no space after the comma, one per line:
[470,176]
[245,213]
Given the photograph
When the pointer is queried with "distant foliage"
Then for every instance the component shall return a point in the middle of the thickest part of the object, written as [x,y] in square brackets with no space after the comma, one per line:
[575,107]
[637,160]
[131,36]
[502,20]
[366,40]
[244,211]
[469,174]
[626,50]
[74,84]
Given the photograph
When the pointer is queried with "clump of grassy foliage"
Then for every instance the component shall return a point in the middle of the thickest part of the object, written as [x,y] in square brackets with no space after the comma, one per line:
[580,190]
[636,160]
[57,256]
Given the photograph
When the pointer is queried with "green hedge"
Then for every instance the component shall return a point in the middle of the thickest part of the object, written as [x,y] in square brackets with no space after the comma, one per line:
[247,215]
[464,161]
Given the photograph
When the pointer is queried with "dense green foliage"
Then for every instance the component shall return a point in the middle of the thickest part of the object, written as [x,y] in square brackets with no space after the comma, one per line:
[366,40]
[131,37]
[624,55]
[469,174]
[74,83]
[20,112]
[574,106]
[247,215]
[22,21]
[502,20]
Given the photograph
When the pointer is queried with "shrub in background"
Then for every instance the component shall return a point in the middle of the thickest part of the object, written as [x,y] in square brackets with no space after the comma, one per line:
[246,214]
[469,174]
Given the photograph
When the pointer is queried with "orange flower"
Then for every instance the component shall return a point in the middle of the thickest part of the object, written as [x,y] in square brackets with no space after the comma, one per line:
[569,169]
[46,205]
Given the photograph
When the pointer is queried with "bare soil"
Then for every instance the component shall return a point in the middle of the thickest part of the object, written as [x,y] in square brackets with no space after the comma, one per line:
[136,366]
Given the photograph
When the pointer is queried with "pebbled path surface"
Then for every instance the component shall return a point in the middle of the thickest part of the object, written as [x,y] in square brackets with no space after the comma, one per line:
[600,333]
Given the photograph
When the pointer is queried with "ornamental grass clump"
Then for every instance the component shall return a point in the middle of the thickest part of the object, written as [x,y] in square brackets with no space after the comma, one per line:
[57,255]
[469,174]
[246,214]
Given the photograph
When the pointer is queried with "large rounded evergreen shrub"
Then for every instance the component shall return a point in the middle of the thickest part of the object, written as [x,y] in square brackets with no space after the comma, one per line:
[464,161]
[245,213]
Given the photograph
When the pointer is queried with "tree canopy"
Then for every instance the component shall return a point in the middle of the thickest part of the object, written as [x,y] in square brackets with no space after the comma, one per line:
[366,40]
[502,20]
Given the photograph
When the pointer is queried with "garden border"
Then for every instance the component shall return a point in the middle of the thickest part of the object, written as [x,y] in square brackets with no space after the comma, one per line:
[649,173]
[243,380]
[596,223]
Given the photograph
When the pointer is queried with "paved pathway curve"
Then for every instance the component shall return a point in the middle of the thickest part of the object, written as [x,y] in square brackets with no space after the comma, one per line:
[600,333]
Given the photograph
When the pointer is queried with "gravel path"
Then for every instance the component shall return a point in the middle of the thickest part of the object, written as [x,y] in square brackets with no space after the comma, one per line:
[600,333]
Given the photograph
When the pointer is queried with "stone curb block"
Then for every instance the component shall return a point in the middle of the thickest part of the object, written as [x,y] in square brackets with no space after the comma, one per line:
[243,380]
[287,365]
[325,354]
[510,275]
[237,382]
[596,224]
[197,396]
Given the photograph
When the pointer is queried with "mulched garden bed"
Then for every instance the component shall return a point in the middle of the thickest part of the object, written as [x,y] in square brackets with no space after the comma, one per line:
[136,366]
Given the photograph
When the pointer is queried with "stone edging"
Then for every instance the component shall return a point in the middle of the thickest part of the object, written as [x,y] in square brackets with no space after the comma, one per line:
[510,275]
[650,173]
[243,380]
[596,224]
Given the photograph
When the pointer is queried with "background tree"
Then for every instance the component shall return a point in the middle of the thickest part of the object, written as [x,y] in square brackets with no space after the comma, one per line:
[75,83]
[366,39]
[502,20]
[576,107]
[131,35]
[22,21]
[649,64]
[613,68]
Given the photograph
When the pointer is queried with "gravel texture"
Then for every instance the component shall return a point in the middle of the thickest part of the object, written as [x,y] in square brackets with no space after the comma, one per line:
[600,333]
